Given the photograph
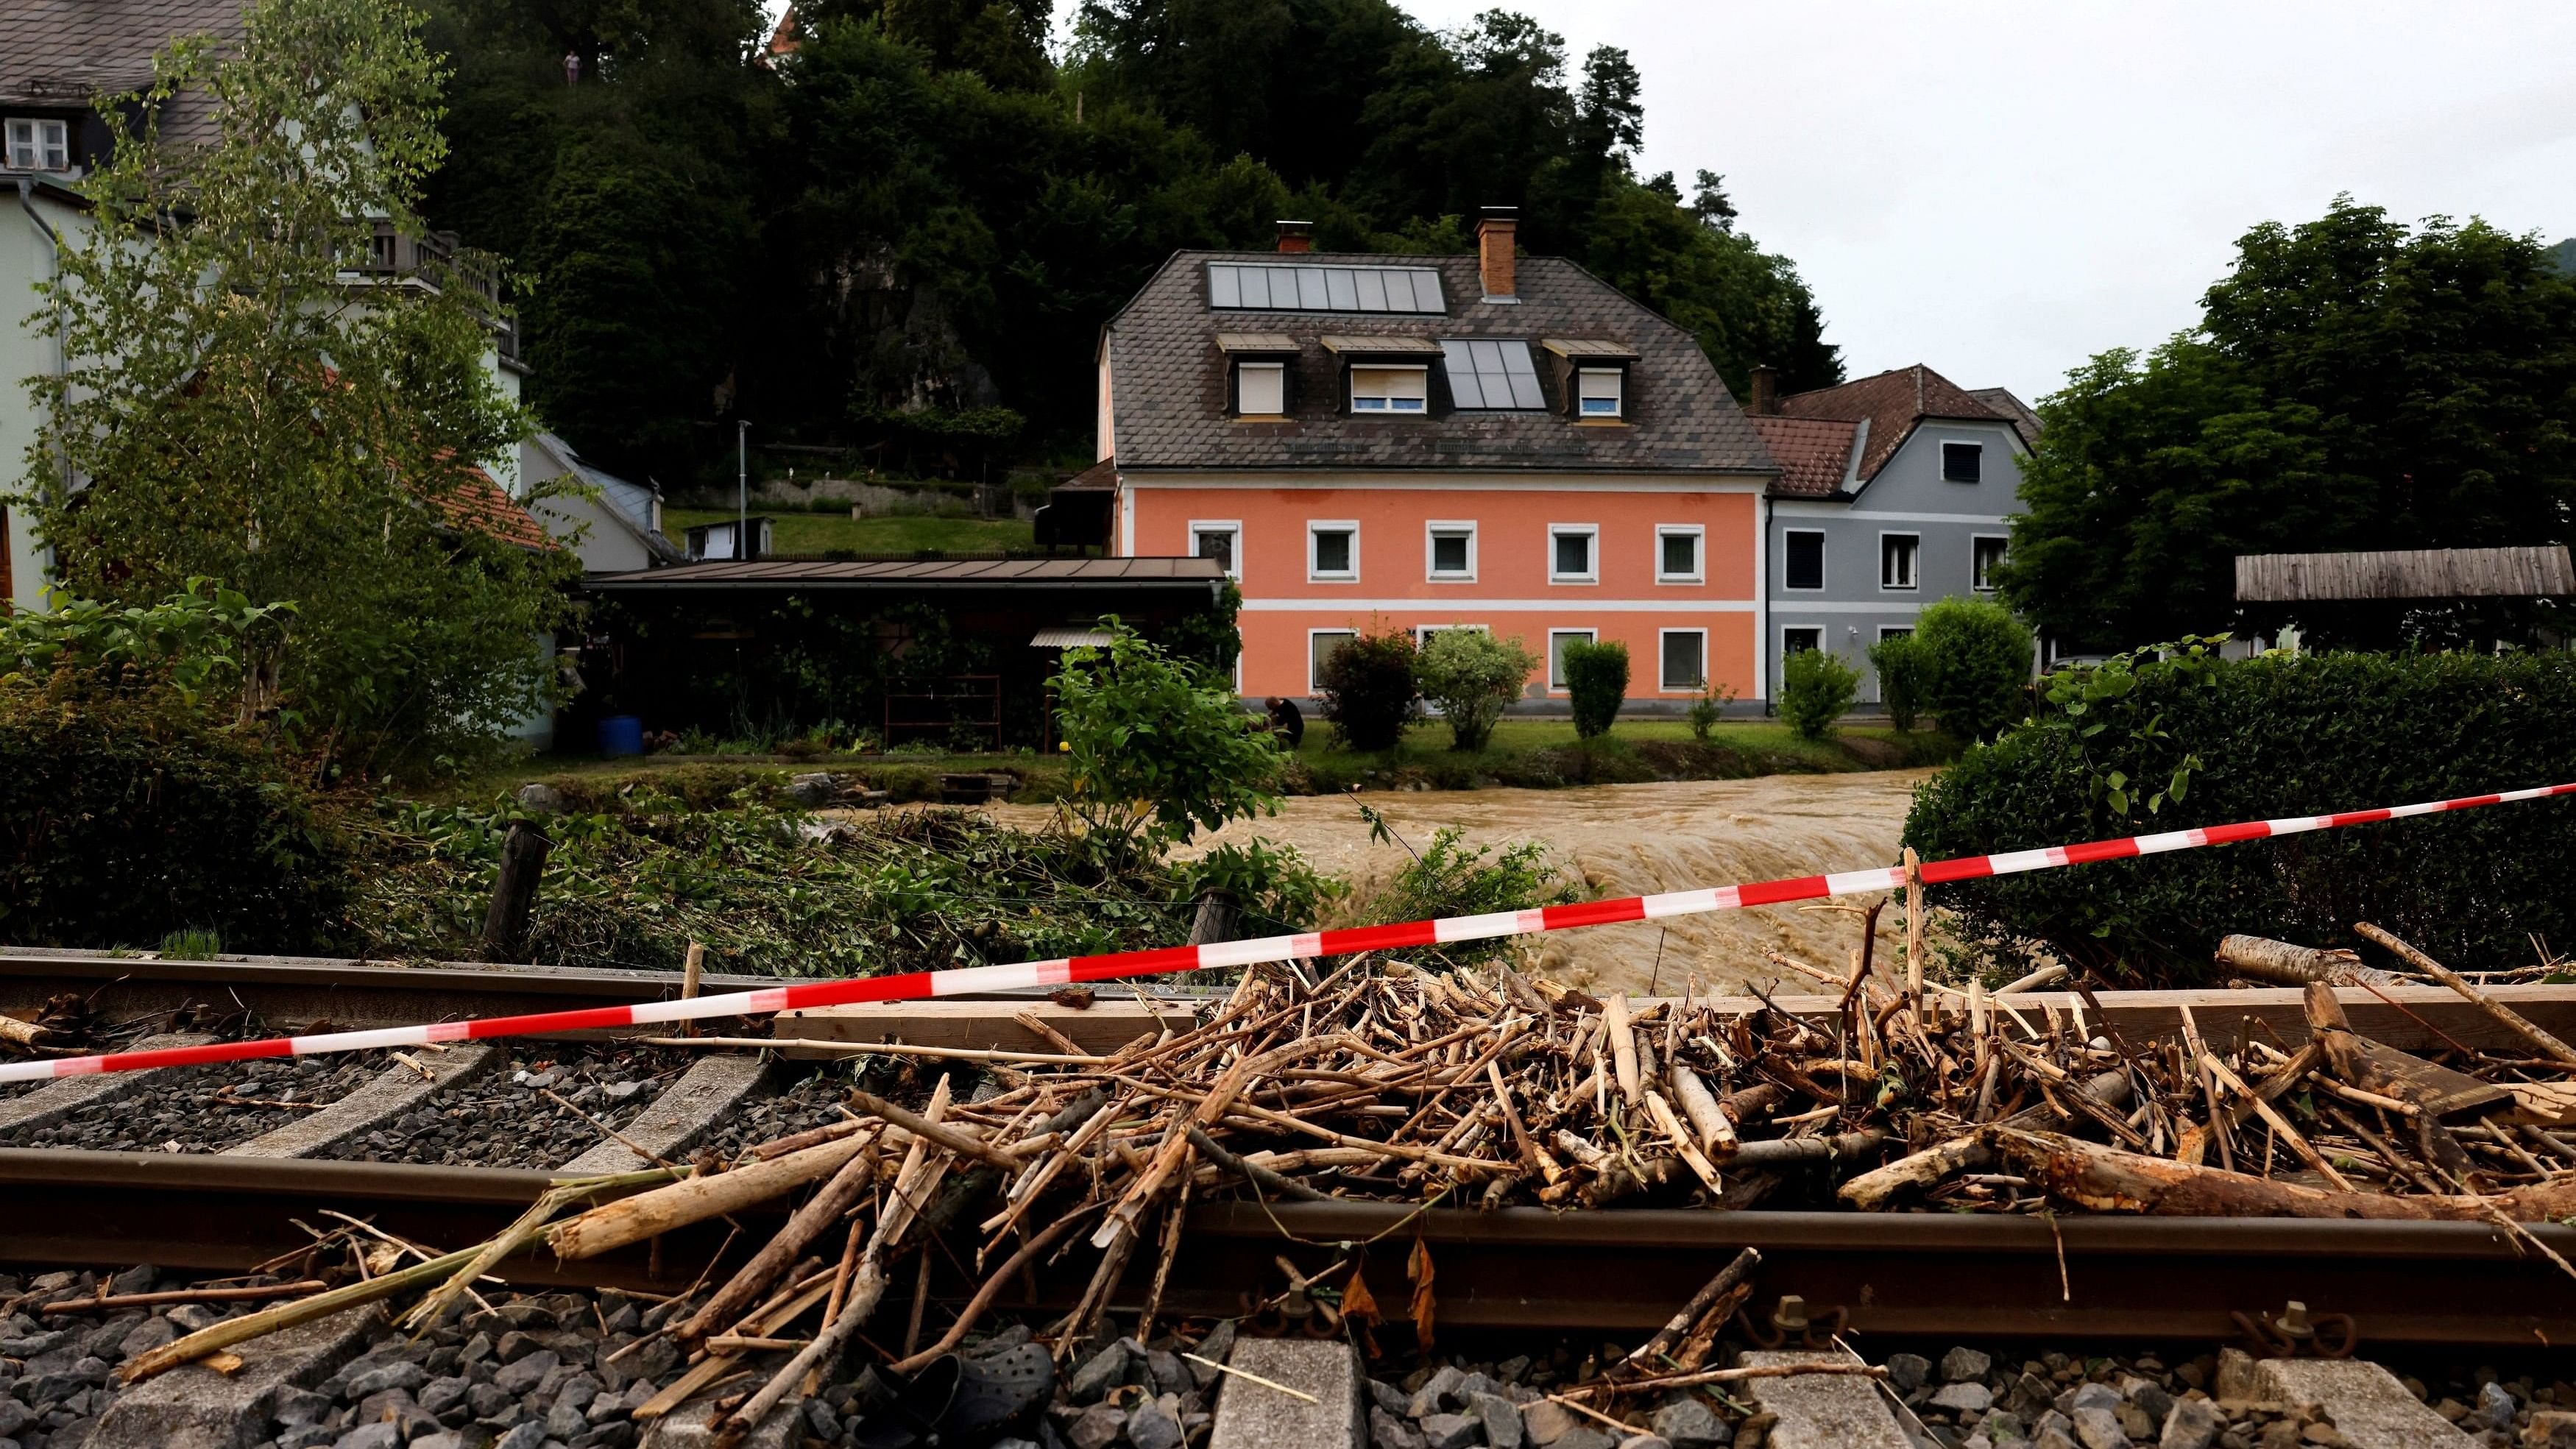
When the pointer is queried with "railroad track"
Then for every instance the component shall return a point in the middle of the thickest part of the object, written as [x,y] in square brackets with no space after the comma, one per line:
[1900,1274]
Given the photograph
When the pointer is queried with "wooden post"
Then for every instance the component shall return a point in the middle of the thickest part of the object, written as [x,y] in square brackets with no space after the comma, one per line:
[1218,916]
[1914,928]
[689,973]
[514,895]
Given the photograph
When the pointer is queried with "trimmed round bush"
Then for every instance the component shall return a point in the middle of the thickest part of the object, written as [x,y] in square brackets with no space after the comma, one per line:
[2262,739]
[1596,679]
[1366,689]
[1815,689]
[1904,670]
[127,818]
[1472,676]
[1977,676]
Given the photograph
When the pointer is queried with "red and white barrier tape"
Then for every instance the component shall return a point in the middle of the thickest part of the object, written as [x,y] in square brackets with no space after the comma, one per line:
[922,985]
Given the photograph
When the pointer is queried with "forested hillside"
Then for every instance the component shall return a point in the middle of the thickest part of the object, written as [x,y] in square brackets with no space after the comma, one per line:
[901,236]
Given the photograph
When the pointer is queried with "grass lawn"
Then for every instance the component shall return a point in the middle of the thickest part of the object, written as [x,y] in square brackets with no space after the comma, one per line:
[816,533]
[1541,753]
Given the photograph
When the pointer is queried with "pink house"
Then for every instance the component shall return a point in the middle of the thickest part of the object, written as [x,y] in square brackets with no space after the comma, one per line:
[1434,442]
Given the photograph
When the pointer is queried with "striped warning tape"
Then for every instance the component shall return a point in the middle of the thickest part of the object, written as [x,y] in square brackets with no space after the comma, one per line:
[922,985]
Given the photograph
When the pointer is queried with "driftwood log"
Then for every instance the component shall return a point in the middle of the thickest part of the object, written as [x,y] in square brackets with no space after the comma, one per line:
[2108,1180]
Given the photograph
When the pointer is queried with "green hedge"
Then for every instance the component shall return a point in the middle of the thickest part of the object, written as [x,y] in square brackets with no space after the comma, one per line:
[125,818]
[2278,736]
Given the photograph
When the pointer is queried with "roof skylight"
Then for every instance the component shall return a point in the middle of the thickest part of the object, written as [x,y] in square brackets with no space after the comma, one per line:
[1492,373]
[1267,287]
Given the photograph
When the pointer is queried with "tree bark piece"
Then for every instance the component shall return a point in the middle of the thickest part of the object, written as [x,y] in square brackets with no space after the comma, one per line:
[1623,1047]
[1707,1118]
[650,1214]
[2506,1016]
[2106,1179]
[2265,959]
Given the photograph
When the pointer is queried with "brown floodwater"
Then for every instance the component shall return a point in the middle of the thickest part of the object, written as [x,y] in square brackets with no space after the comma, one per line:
[1623,840]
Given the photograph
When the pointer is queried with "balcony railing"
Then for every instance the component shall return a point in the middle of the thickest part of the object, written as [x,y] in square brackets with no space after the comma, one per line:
[435,260]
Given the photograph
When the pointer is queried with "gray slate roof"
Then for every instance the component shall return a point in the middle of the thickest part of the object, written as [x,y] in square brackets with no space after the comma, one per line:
[59,53]
[1168,381]
[912,573]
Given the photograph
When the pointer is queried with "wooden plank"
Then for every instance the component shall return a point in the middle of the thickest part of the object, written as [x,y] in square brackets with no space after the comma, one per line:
[2410,1018]
[1104,1026]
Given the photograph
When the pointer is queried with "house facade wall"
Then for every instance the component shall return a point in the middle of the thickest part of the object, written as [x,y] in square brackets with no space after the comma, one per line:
[1512,591]
[1907,497]
[26,351]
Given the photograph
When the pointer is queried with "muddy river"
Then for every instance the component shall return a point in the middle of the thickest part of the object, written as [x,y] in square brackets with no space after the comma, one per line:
[1623,840]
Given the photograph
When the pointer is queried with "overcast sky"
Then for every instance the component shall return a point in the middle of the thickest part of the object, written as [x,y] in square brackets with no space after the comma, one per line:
[2000,190]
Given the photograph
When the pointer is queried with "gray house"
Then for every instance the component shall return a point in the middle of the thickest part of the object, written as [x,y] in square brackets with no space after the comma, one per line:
[1894,492]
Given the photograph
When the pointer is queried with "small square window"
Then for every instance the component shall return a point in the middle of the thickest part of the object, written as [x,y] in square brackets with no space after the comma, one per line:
[1333,551]
[39,145]
[1260,389]
[1217,541]
[1597,392]
[1390,390]
[1557,639]
[1963,462]
[1321,645]
[1804,567]
[1452,552]
[1985,555]
[1685,659]
[1801,640]
[1896,560]
[1677,554]
[1569,554]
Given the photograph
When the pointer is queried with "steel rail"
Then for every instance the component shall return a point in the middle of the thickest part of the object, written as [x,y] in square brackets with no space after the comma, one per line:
[1517,1268]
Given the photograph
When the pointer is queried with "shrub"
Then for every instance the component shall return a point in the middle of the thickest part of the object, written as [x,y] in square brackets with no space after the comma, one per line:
[127,817]
[1471,676]
[1978,666]
[1158,747]
[1904,671]
[1815,689]
[1707,708]
[2262,739]
[1596,677]
[1367,689]
[1450,879]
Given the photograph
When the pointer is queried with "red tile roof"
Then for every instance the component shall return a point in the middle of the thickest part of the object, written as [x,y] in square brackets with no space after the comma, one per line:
[479,504]
[1813,453]
[1891,403]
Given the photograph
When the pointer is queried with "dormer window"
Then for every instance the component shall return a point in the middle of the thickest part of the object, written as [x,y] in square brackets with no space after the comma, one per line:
[1380,390]
[1598,392]
[39,145]
[1261,389]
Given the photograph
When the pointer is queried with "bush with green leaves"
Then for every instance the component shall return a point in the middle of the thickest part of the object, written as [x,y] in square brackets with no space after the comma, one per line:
[1707,708]
[1450,878]
[1159,748]
[1977,666]
[1367,689]
[1815,689]
[1904,673]
[1472,677]
[2193,741]
[1596,684]
[130,814]
[202,643]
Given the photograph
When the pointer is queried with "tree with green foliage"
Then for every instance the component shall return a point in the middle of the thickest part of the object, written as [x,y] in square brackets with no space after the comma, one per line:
[1816,688]
[1596,684]
[2353,384]
[1367,689]
[1904,676]
[244,402]
[1976,667]
[1472,676]
[1159,748]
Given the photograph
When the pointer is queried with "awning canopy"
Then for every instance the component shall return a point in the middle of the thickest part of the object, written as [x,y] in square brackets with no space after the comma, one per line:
[1069,637]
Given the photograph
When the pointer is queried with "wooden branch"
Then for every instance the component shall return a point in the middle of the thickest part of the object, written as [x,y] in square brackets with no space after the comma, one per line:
[2265,959]
[957,1140]
[2105,1179]
[2506,1016]
[650,1214]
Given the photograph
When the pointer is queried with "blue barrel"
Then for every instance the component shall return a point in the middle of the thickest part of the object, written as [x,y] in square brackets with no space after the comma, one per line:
[621,734]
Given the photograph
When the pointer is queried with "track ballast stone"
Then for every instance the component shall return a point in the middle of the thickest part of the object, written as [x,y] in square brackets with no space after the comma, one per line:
[811,1101]
[504,1118]
[208,1109]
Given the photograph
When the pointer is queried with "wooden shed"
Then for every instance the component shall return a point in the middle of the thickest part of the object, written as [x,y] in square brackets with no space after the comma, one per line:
[2541,572]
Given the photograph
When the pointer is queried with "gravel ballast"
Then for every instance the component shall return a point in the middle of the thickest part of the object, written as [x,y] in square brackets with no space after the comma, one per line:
[813,1100]
[504,1118]
[209,1109]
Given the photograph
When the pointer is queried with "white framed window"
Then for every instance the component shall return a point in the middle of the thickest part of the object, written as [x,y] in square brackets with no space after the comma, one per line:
[1896,559]
[36,144]
[1260,389]
[1379,390]
[1598,392]
[1802,565]
[1574,553]
[1422,632]
[1684,656]
[1449,552]
[1557,639]
[1679,548]
[1986,552]
[1220,539]
[1320,645]
[1963,462]
[1333,551]
[1800,638]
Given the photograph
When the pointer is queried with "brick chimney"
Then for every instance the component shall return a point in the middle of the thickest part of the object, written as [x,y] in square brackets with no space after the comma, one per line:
[1766,392]
[1494,230]
[1296,236]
